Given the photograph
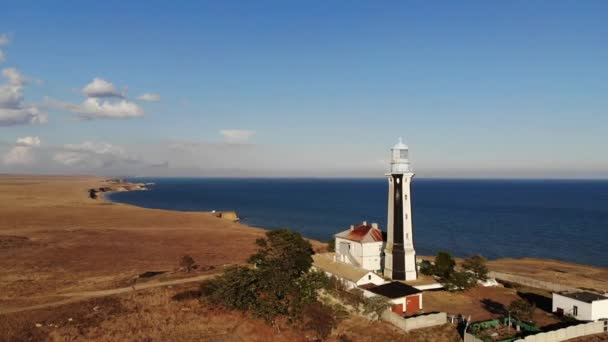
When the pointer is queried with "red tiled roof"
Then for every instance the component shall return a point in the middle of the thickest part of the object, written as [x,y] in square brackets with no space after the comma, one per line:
[359,234]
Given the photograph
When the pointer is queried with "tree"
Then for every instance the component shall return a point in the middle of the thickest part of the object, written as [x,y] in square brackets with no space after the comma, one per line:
[459,281]
[444,265]
[477,265]
[376,305]
[279,284]
[521,309]
[320,319]
[427,268]
[283,251]
[187,262]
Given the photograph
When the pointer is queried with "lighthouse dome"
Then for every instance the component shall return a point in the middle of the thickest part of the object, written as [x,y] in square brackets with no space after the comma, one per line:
[400,158]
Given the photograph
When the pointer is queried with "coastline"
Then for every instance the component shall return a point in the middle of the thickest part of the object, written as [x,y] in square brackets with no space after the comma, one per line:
[64,243]
[545,269]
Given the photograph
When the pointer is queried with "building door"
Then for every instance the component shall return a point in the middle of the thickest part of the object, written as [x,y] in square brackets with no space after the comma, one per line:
[398,309]
[412,303]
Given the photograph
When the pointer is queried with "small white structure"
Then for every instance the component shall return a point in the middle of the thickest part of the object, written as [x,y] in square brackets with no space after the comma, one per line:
[350,275]
[405,298]
[361,246]
[584,306]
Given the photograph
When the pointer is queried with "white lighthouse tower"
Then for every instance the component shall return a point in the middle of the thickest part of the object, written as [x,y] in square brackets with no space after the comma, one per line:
[399,254]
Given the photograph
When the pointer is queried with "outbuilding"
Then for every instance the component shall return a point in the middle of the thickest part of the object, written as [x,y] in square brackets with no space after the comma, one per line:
[405,298]
[583,305]
[348,274]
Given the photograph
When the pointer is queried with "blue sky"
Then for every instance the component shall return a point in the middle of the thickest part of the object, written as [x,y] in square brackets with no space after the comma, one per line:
[307,88]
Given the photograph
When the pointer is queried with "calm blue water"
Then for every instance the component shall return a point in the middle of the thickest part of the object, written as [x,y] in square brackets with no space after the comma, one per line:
[566,220]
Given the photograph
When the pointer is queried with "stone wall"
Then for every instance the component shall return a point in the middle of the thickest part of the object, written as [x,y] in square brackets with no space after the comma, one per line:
[411,323]
[539,284]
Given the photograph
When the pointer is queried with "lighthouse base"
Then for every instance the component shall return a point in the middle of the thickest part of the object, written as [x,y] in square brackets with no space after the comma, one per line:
[400,265]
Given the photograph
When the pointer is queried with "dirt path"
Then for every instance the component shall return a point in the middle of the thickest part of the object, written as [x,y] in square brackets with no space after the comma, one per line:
[79,296]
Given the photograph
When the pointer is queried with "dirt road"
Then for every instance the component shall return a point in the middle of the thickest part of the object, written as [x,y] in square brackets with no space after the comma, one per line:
[79,296]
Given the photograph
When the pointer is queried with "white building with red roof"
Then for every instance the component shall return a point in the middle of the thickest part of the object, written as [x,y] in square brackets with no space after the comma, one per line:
[361,246]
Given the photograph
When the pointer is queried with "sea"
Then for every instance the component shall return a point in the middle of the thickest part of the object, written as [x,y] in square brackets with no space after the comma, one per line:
[557,219]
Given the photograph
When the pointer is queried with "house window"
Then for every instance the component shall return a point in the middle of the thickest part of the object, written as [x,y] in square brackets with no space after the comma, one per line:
[369,277]
[575,310]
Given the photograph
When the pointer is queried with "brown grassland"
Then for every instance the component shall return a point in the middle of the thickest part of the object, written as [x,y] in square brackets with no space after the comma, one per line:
[55,240]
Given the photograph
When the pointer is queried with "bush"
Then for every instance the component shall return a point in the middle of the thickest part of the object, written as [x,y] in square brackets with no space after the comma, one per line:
[426,268]
[522,309]
[376,305]
[280,284]
[477,266]
[331,245]
[444,265]
[187,262]
[460,281]
[320,319]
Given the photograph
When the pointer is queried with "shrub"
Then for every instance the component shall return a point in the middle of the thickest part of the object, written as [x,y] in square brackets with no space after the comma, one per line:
[522,309]
[187,262]
[376,305]
[477,266]
[444,265]
[320,319]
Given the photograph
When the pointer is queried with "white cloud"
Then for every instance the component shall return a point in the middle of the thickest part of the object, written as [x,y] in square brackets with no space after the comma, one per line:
[13,111]
[93,155]
[29,141]
[98,103]
[21,153]
[94,108]
[101,88]
[236,136]
[150,97]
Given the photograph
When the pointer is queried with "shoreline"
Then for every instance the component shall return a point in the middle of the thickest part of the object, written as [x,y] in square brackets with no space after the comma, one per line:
[422,257]
[73,242]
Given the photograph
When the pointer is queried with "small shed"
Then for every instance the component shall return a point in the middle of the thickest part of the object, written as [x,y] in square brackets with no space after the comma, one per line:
[582,305]
[405,298]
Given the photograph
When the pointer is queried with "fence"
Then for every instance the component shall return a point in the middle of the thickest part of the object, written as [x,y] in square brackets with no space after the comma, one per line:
[417,322]
[568,333]
[558,335]
[539,284]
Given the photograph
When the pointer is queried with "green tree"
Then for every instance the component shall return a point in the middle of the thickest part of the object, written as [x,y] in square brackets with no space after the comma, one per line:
[279,284]
[283,251]
[477,265]
[444,265]
[376,305]
[522,309]
[459,281]
[427,268]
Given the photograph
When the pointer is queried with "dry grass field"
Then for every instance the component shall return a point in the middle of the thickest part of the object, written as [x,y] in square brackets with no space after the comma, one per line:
[159,315]
[54,240]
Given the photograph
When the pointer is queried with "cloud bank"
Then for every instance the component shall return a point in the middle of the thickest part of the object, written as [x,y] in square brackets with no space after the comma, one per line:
[13,109]
[21,153]
[103,101]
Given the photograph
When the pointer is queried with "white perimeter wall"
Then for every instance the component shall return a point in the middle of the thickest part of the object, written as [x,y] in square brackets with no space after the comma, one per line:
[599,309]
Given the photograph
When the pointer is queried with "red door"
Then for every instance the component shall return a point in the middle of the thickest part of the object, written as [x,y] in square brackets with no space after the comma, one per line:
[412,303]
[397,308]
